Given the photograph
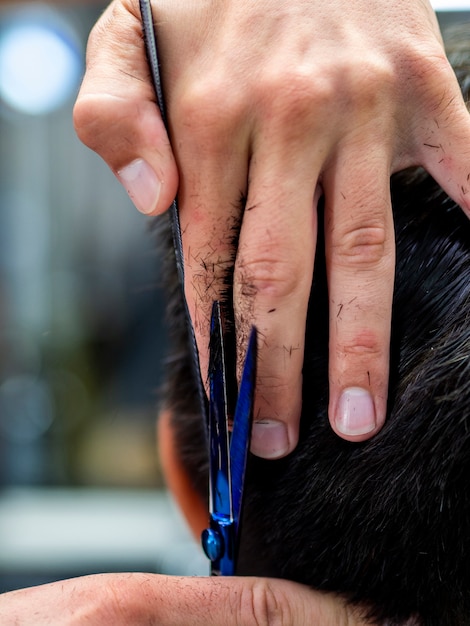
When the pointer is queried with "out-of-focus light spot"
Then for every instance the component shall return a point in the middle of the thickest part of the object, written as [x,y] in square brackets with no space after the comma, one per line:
[26,408]
[40,65]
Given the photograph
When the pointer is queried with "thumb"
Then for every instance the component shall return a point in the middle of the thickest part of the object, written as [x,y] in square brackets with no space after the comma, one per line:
[116,115]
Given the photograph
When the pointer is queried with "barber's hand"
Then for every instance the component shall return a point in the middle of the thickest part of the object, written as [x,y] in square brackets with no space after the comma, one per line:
[150,599]
[277,102]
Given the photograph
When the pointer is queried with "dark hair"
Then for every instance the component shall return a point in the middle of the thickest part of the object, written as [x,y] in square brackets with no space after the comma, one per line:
[386,523]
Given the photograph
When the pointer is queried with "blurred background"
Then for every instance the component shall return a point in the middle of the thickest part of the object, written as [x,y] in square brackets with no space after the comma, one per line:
[81,336]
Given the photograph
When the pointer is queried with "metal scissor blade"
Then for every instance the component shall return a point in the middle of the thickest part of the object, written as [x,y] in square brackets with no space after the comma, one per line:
[152,54]
[227,468]
[220,501]
[151,49]
[242,421]
[218,540]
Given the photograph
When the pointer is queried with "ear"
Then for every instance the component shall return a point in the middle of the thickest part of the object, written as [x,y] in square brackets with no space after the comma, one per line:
[190,503]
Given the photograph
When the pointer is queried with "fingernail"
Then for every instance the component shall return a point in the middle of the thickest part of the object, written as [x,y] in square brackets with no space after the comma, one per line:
[269,439]
[142,185]
[355,413]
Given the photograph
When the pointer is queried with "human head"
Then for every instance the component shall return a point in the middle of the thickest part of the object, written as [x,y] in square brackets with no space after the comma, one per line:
[385,522]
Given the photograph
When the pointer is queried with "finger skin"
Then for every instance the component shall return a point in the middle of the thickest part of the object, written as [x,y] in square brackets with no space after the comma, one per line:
[115,113]
[283,111]
[360,255]
[258,93]
[210,215]
[123,599]
[272,279]
[443,144]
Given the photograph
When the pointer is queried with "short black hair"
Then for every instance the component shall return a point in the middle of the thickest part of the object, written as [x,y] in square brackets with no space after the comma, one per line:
[386,522]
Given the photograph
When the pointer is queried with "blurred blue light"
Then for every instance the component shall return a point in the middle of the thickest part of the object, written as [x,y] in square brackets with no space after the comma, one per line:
[40,64]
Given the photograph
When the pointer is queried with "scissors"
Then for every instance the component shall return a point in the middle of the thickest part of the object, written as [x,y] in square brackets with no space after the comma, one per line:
[228,452]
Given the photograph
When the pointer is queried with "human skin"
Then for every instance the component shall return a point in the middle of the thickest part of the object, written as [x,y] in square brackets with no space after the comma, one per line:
[151,599]
[278,102]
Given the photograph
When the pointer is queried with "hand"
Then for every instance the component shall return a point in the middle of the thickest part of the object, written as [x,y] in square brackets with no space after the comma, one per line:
[279,102]
[124,599]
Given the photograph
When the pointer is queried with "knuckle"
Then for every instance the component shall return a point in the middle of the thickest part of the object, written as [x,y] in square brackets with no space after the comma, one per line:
[259,604]
[430,70]
[365,342]
[267,276]
[314,94]
[426,60]
[115,128]
[276,383]
[209,107]
[95,117]
[296,93]
[364,245]
[362,94]
[85,120]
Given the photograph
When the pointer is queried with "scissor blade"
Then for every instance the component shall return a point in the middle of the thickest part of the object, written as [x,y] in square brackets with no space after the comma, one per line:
[154,67]
[152,54]
[220,480]
[242,426]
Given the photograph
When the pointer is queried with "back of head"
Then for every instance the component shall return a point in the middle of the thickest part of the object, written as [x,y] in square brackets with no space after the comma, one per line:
[385,522]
